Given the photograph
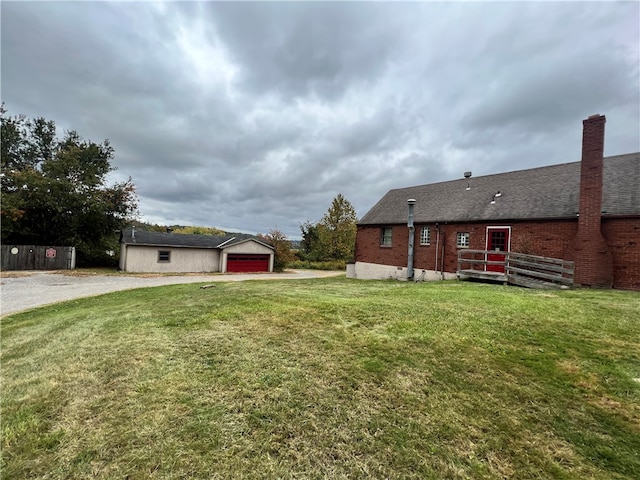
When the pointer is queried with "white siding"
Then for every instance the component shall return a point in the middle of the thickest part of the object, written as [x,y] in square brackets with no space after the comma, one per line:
[145,259]
[249,247]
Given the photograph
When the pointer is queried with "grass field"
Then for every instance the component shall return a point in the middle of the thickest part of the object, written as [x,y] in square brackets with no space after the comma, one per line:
[328,378]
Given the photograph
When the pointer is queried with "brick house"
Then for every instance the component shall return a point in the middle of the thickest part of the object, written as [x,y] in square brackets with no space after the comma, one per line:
[587,211]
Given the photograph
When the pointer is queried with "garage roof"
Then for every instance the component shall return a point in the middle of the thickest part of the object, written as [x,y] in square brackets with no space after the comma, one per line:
[133,236]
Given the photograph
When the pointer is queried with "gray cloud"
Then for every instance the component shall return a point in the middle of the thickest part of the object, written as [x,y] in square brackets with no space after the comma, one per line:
[251,116]
[295,49]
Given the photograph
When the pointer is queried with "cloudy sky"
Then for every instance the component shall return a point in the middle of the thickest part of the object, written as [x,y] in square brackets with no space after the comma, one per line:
[254,116]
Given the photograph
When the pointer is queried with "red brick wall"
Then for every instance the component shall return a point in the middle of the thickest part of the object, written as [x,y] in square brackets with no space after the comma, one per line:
[623,238]
[550,239]
[547,239]
[368,248]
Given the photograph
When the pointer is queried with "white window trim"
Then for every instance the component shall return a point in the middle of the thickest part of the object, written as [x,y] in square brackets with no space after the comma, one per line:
[382,237]
[422,231]
[460,235]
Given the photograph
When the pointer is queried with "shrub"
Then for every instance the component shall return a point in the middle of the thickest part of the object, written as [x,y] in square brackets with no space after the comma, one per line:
[329,265]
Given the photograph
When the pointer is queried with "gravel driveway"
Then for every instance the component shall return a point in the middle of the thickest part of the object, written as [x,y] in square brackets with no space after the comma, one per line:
[26,290]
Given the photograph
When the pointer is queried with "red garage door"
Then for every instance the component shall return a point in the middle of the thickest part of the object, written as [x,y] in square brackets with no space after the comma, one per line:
[248,263]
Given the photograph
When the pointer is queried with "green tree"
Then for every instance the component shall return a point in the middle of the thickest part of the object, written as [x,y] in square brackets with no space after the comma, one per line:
[334,237]
[283,253]
[309,246]
[55,192]
[337,230]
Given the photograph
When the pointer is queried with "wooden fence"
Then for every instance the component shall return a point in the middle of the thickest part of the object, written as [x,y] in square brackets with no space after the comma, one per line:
[33,257]
[517,268]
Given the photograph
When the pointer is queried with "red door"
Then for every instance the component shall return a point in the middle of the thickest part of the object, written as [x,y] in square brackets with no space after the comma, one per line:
[497,241]
[248,263]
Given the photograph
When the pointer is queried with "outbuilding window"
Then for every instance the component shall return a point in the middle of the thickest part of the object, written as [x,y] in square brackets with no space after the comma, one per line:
[425,236]
[164,256]
[385,236]
[462,239]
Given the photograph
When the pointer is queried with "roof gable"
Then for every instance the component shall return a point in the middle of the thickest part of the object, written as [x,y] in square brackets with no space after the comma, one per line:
[538,193]
[237,241]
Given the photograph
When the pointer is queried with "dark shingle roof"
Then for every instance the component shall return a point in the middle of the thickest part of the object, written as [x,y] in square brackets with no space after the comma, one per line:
[143,237]
[538,193]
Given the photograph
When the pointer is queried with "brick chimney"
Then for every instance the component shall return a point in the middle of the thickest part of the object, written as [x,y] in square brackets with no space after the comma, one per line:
[589,251]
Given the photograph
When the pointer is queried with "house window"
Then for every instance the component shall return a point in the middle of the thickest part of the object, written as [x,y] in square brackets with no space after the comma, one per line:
[462,239]
[385,236]
[425,236]
[164,256]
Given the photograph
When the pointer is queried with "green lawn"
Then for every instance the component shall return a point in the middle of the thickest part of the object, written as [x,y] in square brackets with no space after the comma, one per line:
[326,378]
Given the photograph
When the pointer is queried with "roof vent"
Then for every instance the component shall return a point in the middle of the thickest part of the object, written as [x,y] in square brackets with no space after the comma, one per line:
[467,175]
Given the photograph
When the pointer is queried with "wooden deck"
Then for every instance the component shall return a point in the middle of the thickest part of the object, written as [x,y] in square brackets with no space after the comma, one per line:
[482,275]
[530,271]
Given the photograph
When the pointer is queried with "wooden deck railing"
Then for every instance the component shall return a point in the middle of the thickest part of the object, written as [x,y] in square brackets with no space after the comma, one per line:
[517,268]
